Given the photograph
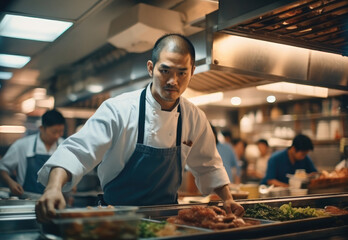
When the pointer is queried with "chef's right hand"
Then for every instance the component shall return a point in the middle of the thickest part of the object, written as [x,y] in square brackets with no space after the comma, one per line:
[16,189]
[46,206]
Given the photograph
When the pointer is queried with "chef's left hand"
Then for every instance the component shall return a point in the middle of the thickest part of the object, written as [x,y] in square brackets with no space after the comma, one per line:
[233,207]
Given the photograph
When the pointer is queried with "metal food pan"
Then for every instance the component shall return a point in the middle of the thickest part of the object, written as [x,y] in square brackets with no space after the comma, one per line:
[267,228]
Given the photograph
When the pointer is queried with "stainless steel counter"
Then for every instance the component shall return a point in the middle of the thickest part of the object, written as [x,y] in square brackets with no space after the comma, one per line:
[24,226]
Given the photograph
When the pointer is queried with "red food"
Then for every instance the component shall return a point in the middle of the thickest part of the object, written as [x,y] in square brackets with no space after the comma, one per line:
[335,210]
[207,217]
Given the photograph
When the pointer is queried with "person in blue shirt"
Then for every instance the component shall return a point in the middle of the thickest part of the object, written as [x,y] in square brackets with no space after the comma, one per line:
[287,161]
[229,159]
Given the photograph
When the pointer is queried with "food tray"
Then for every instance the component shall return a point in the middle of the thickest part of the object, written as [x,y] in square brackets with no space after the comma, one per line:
[180,230]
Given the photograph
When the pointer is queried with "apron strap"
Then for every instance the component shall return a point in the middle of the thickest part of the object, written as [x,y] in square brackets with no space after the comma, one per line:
[178,129]
[34,149]
[141,121]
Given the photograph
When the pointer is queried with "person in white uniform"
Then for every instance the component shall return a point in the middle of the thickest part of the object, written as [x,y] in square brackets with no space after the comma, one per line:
[142,140]
[28,154]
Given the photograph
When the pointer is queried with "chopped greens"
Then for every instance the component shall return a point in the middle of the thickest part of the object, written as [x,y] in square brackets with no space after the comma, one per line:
[283,213]
[149,229]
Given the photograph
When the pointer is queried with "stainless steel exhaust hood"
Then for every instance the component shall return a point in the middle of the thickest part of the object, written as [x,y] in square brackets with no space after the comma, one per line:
[234,60]
[229,58]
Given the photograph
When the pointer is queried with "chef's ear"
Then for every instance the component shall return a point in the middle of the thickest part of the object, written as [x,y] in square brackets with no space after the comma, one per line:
[150,67]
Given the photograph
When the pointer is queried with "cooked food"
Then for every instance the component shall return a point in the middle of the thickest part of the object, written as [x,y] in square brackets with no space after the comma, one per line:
[336,178]
[283,213]
[153,229]
[335,210]
[106,228]
[207,217]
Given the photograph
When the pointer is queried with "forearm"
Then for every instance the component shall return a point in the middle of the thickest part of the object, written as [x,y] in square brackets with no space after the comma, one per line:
[277,183]
[58,177]
[224,193]
[5,176]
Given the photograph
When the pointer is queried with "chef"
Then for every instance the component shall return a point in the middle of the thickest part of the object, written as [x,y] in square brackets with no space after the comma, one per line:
[142,140]
[27,155]
[289,160]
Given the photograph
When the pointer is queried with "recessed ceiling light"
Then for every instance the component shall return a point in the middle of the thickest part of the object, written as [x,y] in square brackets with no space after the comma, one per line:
[13,61]
[95,88]
[12,129]
[5,75]
[236,101]
[271,99]
[32,28]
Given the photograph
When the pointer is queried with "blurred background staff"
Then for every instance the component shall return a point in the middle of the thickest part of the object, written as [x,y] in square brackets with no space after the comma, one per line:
[239,146]
[258,169]
[289,160]
[28,154]
[229,159]
[227,136]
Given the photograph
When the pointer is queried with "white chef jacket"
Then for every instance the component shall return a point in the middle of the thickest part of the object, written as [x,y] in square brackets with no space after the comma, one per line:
[16,156]
[109,139]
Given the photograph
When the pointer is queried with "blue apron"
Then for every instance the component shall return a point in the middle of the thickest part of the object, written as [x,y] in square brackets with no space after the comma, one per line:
[152,176]
[34,164]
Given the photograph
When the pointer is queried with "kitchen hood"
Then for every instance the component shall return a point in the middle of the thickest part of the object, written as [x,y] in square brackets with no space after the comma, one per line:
[236,56]
[227,59]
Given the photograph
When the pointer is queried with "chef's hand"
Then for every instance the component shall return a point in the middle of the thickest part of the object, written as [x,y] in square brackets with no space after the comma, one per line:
[229,204]
[52,197]
[46,206]
[16,189]
[233,207]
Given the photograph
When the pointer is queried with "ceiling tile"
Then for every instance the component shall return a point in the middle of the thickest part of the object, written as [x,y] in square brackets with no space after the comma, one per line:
[62,9]
[20,46]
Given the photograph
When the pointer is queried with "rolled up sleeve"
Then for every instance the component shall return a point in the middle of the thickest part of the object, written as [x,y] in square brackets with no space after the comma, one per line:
[205,162]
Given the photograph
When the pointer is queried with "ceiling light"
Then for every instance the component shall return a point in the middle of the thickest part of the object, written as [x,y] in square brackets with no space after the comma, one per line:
[95,88]
[28,105]
[45,103]
[5,75]
[72,97]
[39,93]
[207,98]
[31,28]
[294,88]
[236,101]
[12,129]
[13,61]
[271,99]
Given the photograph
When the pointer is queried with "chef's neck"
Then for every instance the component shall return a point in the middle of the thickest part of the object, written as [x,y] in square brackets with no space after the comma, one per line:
[48,144]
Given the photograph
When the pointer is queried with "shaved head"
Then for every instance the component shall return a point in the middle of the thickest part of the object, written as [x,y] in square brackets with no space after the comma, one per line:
[173,43]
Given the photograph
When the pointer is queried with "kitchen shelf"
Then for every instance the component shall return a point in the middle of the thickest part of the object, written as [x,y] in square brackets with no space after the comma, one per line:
[303,117]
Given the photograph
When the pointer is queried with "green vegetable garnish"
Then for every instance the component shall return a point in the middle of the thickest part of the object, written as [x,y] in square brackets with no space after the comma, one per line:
[283,213]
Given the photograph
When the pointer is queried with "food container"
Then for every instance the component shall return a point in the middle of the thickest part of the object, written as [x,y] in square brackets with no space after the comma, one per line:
[295,183]
[96,211]
[298,192]
[106,228]
[239,194]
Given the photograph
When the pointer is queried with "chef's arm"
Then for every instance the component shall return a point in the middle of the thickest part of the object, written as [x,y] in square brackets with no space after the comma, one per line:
[229,204]
[58,177]
[16,188]
[52,197]
[277,183]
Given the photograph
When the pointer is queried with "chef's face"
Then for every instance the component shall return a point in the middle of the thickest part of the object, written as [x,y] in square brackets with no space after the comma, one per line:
[263,148]
[171,76]
[50,135]
[300,155]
